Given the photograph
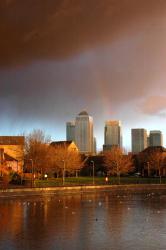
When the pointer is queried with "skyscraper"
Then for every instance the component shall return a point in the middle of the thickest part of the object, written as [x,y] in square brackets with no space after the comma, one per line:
[155,138]
[112,134]
[70,131]
[84,132]
[138,140]
[94,145]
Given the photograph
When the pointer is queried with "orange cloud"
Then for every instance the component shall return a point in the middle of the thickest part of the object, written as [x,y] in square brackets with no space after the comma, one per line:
[154,105]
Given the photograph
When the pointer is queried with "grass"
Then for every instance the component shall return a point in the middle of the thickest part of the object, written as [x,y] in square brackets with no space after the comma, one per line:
[74,181]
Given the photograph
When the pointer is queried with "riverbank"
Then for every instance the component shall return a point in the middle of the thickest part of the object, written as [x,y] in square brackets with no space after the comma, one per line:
[118,189]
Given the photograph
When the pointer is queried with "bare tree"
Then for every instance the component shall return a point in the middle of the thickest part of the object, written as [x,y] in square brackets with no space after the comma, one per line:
[37,144]
[52,166]
[158,162]
[65,159]
[117,163]
[152,159]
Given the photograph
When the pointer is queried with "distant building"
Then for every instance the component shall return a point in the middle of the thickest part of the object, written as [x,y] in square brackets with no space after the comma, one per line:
[13,149]
[84,133]
[148,141]
[138,140]
[94,145]
[112,135]
[155,138]
[70,131]
[70,145]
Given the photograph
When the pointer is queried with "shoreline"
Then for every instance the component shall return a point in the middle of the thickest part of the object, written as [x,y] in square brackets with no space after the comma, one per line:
[122,189]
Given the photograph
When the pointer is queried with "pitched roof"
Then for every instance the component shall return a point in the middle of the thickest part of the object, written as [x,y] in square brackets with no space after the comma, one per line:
[61,143]
[9,158]
[12,140]
[154,148]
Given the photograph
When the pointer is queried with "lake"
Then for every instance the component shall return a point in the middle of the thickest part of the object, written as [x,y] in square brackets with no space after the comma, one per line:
[86,221]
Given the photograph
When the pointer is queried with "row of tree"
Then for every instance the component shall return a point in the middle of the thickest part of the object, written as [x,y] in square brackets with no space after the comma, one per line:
[57,158]
[43,157]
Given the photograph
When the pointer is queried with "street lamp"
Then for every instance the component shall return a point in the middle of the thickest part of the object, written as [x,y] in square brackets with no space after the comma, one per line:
[64,169]
[93,170]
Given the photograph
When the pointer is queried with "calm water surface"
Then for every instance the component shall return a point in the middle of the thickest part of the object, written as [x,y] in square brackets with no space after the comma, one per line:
[84,221]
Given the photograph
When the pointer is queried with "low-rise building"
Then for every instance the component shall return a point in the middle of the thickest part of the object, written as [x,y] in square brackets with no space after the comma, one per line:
[70,145]
[13,148]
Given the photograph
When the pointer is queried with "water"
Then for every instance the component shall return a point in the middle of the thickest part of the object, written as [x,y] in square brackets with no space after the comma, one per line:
[84,221]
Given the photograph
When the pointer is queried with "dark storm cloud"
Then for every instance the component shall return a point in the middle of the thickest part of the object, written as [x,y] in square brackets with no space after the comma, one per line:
[58,57]
[39,29]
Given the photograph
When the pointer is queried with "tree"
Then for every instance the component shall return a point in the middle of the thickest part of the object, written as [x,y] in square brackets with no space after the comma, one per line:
[36,147]
[65,159]
[6,174]
[152,158]
[117,163]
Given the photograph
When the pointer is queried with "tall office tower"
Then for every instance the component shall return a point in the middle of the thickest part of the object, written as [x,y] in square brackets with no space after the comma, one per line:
[155,138]
[70,131]
[84,132]
[138,140]
[94,145]
[148,141]
[112,134]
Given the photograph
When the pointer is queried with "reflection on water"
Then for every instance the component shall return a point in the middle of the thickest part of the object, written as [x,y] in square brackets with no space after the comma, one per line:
[84,221]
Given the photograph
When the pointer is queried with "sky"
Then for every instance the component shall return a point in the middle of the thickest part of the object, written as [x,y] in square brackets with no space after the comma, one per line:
[60,57]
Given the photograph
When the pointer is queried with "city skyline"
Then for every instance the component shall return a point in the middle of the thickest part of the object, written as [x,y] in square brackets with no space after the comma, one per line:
[60,57]
[126,144]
